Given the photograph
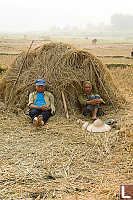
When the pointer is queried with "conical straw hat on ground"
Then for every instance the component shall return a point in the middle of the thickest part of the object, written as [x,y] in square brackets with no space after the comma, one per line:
[98,126]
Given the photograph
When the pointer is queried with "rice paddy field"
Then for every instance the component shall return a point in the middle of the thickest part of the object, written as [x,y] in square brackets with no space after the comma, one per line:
[62,161]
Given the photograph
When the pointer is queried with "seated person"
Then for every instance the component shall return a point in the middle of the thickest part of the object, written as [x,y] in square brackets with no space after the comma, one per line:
[41,104]
[90,103]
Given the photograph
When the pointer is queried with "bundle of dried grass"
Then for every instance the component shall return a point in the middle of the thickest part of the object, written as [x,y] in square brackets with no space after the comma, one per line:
[64,68]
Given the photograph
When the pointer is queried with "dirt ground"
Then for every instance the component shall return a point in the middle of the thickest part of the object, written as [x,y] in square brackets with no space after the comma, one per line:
[61,160]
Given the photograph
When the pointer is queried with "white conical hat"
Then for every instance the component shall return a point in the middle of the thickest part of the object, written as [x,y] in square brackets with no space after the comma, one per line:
[98,126]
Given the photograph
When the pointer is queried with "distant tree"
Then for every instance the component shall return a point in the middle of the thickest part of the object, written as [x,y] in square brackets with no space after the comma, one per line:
[121,21]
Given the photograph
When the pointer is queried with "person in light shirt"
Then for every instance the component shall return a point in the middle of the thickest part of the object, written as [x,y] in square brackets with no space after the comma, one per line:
[41,104]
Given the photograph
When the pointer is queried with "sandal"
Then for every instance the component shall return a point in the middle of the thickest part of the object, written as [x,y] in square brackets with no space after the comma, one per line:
[40,120]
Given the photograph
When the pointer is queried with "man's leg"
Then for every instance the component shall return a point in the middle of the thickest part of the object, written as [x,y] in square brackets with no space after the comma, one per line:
[46,114]
[93,110]
[34,113]
[94,113]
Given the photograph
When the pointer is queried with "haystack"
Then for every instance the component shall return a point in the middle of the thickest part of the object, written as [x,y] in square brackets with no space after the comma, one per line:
[64,68]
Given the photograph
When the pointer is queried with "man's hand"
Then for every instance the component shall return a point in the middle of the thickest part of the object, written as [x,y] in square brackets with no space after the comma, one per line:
[94,102]
[44,107]
[40,107]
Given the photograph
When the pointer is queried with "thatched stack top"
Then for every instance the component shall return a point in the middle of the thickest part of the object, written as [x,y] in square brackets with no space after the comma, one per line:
[63,67]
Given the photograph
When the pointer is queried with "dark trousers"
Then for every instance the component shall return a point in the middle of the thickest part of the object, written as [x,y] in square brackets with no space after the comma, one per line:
[35,113]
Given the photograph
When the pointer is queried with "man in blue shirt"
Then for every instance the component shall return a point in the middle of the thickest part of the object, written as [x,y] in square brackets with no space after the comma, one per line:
[41,104]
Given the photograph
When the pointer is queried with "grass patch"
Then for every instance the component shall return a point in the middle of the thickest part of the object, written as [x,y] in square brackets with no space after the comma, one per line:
[3,68]
[127,57]
[8,54]
[111,56]
[122,65]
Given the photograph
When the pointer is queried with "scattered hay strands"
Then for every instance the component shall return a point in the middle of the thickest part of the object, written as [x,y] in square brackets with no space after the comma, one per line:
[51,162]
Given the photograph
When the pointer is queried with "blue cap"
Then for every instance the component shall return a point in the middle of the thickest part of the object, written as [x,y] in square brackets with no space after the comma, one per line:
[40,82]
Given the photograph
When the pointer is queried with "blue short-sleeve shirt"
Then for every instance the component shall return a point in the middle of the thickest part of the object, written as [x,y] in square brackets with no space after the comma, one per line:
[40,101]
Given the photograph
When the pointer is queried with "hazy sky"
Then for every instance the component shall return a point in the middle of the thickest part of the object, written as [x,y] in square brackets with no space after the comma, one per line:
[26,15]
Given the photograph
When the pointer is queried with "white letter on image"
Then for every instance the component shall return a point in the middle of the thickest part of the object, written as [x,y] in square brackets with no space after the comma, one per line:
[123,193]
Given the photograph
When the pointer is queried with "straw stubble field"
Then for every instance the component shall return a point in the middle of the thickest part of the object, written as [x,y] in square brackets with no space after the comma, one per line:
[62,161]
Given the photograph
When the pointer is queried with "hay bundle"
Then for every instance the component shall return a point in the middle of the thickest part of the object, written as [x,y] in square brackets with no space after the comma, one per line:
[64,68]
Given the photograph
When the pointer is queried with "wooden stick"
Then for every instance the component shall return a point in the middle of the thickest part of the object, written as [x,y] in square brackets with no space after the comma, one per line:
[64,103]
[19,73]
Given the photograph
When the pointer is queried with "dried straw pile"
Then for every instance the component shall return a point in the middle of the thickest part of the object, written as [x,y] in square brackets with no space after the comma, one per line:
[63,67]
